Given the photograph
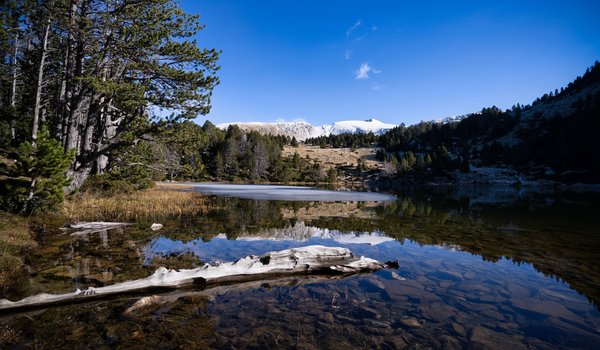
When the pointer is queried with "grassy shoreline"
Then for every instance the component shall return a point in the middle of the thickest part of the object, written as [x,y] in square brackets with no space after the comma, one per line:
[159,201]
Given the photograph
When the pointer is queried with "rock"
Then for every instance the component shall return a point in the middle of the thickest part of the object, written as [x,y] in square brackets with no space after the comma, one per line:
[378,330]
[437,312]
[545,308]
[447,275]
[410,322]
[368,312]
[376,323]
[446,284]
[469,275]
[485,338]
[458,329]
[449,343]
[111,332]
[473,287]
[327,317]
[156,227]
[396,342]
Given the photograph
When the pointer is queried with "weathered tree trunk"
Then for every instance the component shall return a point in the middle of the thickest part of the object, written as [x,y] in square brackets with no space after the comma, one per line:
[78,176]
[76,100]
[305,260]
[25,206]
[61,124]
[40,83]
[13,90]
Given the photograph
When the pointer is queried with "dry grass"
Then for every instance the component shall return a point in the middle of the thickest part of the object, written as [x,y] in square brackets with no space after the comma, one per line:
[158,202]
[14,240]
[329,157]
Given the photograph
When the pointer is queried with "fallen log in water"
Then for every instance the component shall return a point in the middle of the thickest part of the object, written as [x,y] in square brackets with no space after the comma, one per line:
[304,260]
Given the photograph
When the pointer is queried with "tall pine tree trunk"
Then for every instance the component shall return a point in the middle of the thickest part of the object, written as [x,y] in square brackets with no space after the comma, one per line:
[13,90]
[61,123]
[40,84]
[75,90]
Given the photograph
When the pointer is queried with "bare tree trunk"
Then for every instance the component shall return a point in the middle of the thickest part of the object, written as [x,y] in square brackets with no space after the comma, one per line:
[29,196]
[61,125]
[108,133]
[40,84]
[78,176]
[75,90]
[13,91]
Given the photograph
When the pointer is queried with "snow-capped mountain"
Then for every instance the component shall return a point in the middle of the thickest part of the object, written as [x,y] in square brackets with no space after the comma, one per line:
[450,120]
[302,130]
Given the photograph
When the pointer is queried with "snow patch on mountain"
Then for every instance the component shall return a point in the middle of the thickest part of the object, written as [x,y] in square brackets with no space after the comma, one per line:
[302,130]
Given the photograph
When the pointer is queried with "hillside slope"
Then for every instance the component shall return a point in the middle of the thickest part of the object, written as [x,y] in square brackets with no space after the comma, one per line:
[555,138]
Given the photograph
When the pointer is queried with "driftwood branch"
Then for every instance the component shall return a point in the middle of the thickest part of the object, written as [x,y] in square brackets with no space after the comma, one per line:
[305,260]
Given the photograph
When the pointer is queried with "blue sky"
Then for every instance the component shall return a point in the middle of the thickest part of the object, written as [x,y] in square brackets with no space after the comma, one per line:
[396,61]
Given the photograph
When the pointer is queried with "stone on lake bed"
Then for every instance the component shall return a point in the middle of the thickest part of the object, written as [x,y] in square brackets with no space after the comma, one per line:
[488,339]
[396,342]
[410,322]
[446,275]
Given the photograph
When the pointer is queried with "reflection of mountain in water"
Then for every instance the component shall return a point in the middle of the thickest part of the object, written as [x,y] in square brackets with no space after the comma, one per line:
[301,232]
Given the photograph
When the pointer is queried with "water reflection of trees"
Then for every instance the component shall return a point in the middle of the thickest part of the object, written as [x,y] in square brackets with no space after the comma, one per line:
[231,216]
[557,235]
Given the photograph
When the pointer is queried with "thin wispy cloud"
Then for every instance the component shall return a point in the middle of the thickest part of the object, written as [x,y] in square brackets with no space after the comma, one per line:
[353,28]
[364,70]
[376,87]
[348,54]
[360,38]
[374,28]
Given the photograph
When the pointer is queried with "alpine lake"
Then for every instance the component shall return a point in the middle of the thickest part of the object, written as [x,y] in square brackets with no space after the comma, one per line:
[479,268]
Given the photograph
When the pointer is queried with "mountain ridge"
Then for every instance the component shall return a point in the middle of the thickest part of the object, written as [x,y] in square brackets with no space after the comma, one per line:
[303,130]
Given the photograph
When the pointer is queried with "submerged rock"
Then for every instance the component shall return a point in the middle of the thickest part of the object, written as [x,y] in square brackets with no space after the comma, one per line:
[488,339]
[410,322]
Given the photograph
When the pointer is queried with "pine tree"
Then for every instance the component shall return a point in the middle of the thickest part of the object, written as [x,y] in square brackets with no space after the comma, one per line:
[45,162]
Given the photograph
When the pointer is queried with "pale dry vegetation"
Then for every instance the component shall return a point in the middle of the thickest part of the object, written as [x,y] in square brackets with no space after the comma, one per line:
[329,157]
[14,240]
[160,201]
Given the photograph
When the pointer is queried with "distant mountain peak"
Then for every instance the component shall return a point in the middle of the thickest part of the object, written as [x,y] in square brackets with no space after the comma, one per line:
[303,130]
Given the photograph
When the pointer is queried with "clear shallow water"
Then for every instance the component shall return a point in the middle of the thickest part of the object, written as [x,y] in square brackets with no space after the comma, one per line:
[477,269]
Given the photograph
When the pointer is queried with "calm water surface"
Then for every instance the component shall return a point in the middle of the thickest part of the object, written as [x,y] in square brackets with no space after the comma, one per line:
[478,268]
